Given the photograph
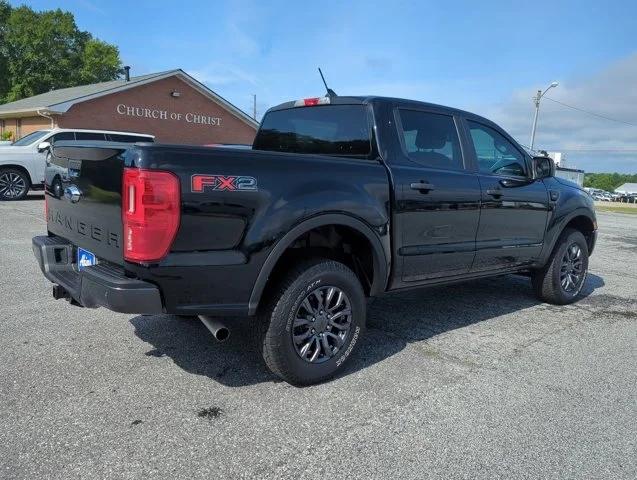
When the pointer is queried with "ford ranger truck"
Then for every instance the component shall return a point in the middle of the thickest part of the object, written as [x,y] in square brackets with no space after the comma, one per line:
[340,199]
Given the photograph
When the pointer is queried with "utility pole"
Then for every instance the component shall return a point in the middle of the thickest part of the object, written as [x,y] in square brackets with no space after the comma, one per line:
[254,106]
[536,100]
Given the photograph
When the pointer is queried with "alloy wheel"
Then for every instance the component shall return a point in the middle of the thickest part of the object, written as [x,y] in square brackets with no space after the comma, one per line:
[321,324]
[572,269]
[12,185]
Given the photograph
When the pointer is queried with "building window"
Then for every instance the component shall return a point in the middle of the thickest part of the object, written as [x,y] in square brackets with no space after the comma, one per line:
[18,128]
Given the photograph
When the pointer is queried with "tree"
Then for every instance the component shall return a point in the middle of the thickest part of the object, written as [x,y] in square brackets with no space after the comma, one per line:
[5,11]
[608,181]
[100,62]
[42,51]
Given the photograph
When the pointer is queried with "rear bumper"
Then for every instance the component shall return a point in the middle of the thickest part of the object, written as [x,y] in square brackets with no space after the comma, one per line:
[97,286]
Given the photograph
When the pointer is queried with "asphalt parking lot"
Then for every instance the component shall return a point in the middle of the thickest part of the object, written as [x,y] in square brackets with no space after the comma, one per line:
[477,380]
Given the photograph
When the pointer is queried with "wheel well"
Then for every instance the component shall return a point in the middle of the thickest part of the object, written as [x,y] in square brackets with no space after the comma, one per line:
[336,242]
[17,167]
[585,225]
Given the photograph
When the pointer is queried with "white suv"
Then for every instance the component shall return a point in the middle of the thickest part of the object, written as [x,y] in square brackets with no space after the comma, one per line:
[23,162]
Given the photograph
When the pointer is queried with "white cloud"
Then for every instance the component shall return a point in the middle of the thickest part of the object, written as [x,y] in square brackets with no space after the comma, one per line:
[590,142]
[221,74]
[240,41]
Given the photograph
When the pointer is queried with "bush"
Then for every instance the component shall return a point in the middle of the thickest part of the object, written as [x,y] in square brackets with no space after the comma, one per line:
[7,135]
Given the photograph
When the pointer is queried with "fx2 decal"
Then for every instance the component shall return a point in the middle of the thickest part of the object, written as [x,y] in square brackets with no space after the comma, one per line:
[201,183]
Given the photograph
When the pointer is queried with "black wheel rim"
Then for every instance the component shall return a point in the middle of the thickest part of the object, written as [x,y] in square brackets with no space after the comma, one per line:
[572,271]
[12,185]
[321,324]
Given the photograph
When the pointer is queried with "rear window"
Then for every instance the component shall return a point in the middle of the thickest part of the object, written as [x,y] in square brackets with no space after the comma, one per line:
[328,130]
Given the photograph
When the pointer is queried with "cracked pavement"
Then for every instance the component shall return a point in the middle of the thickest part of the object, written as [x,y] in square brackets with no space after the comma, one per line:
[476,380]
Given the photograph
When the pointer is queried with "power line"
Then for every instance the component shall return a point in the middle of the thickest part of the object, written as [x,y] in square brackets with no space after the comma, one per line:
[586,148]
[594,149]
[591,113]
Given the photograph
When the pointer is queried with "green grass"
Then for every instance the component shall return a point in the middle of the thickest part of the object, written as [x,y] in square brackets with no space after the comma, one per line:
[616,209]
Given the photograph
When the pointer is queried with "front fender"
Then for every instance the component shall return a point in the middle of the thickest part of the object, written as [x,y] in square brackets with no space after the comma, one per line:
[20,161]
[572,203]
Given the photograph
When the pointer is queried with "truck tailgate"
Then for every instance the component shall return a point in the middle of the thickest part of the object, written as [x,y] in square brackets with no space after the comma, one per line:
[84,196]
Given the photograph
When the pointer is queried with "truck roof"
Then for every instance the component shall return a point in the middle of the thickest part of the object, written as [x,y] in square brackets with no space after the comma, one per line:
[375,99]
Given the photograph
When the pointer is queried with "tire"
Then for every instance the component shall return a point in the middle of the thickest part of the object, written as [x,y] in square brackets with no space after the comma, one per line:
[56,187]
[297,296]
[553,283]
[14,184]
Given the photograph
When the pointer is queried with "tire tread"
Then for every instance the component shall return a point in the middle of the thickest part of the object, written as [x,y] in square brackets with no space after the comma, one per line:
[267,341]
[543,279]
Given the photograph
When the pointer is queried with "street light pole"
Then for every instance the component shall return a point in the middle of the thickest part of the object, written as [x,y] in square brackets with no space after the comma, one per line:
[536,100]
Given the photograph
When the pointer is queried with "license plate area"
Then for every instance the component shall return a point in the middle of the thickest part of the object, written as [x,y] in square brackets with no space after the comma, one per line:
[85,259]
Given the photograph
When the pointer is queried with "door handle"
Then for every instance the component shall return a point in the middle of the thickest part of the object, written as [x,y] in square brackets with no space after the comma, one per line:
[422,187]
[494,192]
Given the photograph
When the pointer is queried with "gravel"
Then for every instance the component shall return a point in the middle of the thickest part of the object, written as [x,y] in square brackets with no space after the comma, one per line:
[477,380]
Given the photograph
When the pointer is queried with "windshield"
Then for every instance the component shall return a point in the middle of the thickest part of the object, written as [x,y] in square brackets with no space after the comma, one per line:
[30,138]
[328,130]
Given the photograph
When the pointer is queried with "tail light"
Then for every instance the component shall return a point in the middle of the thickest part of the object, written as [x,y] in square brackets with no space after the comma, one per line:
[150,213]
[311,102]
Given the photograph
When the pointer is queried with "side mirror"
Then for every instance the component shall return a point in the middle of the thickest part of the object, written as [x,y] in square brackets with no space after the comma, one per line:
[44,146]
[544,167]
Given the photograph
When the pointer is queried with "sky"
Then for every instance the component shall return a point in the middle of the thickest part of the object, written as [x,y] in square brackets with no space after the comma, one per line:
[485,57]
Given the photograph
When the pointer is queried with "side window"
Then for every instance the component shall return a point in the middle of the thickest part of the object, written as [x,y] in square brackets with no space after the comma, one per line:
[89,136]
[496,155]
[431,139]
[114,137]
[62,136]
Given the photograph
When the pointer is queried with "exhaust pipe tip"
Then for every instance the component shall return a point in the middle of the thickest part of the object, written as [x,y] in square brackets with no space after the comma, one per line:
[222,334]
[219,331]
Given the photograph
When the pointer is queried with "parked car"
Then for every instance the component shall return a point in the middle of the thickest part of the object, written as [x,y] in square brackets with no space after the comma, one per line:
[22,163]
[600,197]
[340,199]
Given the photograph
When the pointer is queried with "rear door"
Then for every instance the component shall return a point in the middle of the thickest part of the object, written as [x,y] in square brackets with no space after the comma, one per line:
[514,208]
[436,197]
[125,138]
[90,136]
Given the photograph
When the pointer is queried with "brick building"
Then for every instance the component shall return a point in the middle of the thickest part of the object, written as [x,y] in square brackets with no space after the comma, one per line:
[171,105]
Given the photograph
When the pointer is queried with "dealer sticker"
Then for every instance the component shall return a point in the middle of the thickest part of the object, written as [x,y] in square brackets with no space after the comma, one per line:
[85,259]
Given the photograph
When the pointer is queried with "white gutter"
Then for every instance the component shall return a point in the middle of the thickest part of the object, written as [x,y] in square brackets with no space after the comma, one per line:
[45,114]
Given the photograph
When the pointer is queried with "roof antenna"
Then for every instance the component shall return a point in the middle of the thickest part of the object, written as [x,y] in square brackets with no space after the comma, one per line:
[330,93]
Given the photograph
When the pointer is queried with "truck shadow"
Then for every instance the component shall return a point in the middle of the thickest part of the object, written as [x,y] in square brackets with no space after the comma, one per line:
[33,196]
[393,321]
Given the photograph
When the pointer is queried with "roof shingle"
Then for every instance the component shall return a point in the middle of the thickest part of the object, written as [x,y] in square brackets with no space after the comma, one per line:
[55,97]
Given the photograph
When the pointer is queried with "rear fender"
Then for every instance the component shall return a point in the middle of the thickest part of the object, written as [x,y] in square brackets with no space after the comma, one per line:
[380,251]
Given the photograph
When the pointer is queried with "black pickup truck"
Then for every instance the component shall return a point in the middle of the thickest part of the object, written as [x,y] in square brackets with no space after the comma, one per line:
[340,199]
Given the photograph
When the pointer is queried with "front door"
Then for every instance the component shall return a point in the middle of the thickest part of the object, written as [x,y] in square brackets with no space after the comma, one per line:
[514,208]
[436,198]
